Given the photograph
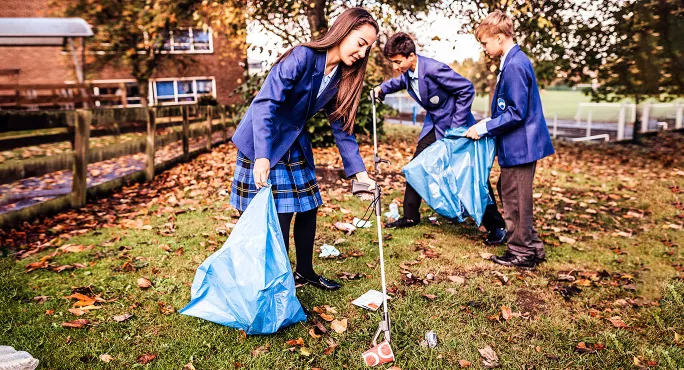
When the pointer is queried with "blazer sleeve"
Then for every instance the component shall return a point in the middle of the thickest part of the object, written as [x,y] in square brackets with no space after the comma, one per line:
[346,144]
[393,85]
[461,88]
[282,78]
[516,90]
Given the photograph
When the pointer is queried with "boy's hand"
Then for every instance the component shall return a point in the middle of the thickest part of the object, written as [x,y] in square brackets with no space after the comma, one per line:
[472,133]
[379,95]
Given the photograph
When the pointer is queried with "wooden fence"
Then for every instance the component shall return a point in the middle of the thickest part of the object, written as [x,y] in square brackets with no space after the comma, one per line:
[83,124]
[60,96]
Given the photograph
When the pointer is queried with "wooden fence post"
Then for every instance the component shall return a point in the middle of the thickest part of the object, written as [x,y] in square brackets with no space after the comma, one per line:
[80,168]
[149,151]
[209,113]
[186,134]
[223,123]
[124,96]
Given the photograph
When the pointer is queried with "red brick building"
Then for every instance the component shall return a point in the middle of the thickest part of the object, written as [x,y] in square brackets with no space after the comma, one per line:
[216,66]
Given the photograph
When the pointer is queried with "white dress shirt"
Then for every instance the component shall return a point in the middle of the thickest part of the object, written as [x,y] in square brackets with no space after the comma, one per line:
[413,79]
[326,78]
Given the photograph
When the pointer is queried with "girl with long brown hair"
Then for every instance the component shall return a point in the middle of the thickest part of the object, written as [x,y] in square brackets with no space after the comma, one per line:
[273,142]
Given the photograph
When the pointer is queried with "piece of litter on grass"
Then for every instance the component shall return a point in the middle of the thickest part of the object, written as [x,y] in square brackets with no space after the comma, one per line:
[14,359]
[345,226]
[361,223]
[328,251]
[393,212]
[371,300]
[433,220]
[503,278]
[489,358]
[431,339]
[567,240]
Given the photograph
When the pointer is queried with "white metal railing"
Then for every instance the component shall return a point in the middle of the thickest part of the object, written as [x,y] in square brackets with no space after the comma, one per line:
[403,103]
[604,137]
[631,108]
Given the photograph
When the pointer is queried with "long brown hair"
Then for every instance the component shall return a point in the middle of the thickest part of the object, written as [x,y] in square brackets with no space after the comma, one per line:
[351,81]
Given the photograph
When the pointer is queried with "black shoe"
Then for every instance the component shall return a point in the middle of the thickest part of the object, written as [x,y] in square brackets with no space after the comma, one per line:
[496,237]
[541,257]
[401,223]
[318,282]
[511,260]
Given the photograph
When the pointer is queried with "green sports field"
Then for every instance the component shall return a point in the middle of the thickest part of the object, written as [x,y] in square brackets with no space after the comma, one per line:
[565,105]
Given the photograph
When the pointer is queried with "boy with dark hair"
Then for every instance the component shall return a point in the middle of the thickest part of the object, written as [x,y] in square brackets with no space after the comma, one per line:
[447,97]
[522,138]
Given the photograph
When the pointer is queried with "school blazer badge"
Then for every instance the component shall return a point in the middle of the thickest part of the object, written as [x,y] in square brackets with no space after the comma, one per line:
[501,103]
[434,99]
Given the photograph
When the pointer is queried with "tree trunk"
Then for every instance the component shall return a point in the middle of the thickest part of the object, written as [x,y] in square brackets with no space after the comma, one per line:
[318,22]
[143,86]
[492,89]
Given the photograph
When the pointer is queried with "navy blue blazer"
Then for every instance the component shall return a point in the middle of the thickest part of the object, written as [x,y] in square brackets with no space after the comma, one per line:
[517,117]
[276,118]
[445,95]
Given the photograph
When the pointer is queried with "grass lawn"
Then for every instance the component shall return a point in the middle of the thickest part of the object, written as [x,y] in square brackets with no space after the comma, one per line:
[611,295]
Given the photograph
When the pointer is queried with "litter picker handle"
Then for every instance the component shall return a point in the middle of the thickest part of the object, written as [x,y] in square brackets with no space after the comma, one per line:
[376,159]
[359,188]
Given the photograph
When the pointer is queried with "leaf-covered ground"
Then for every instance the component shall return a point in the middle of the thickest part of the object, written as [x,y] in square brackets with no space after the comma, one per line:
[100,287]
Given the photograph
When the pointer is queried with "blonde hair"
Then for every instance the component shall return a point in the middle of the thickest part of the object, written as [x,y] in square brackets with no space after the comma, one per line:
[494,23]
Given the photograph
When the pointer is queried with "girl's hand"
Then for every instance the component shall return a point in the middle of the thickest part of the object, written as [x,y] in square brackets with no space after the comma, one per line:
[363,177]
[262,167]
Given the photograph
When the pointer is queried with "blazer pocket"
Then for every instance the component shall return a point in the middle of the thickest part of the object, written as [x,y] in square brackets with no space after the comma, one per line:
[514,144]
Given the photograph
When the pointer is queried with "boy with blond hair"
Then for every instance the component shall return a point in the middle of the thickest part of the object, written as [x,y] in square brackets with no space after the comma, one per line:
[522,138]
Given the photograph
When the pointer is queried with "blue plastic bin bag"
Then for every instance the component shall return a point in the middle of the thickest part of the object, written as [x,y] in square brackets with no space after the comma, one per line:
[248,283]
[452,175]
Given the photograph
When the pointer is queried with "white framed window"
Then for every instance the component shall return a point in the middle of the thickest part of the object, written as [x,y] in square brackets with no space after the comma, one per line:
[182,90]
[188,41]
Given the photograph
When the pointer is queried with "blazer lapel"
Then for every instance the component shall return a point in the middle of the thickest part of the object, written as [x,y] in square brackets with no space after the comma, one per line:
[509,56]
[422,87]
[316,79]
[409,89]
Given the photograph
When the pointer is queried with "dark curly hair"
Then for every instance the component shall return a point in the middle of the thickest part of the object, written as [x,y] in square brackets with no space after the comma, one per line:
[399,44]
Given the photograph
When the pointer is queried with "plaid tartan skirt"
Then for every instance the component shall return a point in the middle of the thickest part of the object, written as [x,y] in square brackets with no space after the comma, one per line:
[293,183]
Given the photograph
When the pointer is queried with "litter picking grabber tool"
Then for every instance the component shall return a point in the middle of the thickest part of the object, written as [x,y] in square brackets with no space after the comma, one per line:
[381,353]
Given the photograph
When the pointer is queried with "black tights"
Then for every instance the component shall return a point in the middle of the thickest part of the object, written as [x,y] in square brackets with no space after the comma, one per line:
[304,235]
